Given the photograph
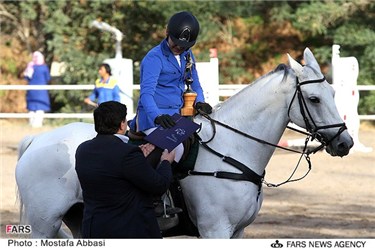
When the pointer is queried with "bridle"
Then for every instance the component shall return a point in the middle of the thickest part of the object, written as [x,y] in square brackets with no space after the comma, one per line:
[248,174]
[310,124]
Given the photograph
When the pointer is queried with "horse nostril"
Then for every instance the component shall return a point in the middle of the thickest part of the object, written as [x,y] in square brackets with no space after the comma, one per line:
[343,149]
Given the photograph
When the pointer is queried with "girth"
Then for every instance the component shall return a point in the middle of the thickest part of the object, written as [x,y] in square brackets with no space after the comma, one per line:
[246,175]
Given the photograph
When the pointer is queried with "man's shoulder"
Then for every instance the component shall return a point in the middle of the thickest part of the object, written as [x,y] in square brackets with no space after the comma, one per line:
[84,145]
[123,145]
[110,143]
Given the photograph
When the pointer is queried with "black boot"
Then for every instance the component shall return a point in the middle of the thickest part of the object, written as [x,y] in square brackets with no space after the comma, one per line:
[154,157]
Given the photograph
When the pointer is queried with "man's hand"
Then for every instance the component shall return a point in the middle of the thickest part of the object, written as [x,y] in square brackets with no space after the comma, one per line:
[165,121]
[168,156]
[203,106]
[147,148]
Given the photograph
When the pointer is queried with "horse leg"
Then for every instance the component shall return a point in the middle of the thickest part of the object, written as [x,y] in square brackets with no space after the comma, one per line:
[44,227]
[238,234]
[44,216]
[212,227]
[215,215]
[61,234]
[216,233]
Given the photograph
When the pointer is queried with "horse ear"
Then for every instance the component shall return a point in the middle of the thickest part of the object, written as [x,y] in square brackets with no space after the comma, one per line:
[310,60]
[296,66]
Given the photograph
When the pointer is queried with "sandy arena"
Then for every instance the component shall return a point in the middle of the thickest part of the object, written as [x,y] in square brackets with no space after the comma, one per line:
[336,200]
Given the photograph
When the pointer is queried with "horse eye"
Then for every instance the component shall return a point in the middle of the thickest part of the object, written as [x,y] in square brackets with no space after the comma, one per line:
[314,99]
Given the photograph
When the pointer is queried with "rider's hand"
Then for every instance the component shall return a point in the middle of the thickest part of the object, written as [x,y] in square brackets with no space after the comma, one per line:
[203,106]
[165,121]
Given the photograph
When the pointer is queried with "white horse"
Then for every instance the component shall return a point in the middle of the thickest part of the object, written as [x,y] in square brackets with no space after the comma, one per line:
[219,206]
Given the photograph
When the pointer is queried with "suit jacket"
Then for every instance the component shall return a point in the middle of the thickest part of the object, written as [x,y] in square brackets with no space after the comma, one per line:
[162,85]
[118,186]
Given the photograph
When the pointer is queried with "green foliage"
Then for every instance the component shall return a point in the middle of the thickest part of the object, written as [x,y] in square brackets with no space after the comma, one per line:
[10,66]
[235,66]
[366,77]
[316,17]
[347,23]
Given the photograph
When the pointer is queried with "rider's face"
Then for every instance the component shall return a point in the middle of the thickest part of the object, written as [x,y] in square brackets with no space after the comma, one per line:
[177,50]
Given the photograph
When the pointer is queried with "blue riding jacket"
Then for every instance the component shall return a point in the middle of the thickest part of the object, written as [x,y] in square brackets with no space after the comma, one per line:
[162,86]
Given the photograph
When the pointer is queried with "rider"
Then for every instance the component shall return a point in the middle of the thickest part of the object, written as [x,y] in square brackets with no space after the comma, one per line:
[162,78]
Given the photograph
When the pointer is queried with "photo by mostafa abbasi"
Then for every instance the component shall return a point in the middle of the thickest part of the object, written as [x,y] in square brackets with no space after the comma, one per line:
[56,243]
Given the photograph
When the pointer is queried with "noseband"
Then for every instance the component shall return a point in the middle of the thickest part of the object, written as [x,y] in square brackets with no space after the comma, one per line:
[310,124]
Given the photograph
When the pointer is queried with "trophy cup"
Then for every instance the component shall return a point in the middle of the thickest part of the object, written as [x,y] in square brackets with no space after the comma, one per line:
[189,95]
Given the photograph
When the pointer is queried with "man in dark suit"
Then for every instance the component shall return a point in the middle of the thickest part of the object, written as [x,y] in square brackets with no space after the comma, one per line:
[118,184]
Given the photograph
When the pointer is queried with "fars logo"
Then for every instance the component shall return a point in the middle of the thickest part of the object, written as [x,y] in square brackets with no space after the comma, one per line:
[18,229]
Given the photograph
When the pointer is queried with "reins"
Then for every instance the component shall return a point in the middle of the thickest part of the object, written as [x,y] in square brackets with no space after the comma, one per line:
[248,174]
[213,122]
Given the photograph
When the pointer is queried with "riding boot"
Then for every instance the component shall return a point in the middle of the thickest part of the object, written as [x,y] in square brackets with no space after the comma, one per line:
[154,157]
[161,208]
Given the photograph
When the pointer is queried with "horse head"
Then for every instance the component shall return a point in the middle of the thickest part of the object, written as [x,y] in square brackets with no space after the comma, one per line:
[313,107]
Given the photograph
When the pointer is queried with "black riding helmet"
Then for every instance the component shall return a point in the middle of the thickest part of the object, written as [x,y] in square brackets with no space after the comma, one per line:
[183,29]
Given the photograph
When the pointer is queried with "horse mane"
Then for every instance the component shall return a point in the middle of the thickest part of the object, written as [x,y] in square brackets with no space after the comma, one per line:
[283,68]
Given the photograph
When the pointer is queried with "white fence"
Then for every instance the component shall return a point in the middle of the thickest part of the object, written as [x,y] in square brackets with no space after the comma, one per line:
[224,91]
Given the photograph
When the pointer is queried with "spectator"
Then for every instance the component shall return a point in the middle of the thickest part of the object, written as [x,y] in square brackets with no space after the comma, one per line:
[38,101]
[106,88]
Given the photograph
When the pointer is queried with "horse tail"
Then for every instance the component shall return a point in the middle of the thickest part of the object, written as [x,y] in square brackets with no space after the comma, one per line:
[24,144]
[22,147]
[22,218]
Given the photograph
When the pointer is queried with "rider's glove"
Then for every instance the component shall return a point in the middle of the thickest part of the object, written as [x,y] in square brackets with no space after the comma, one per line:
[165,121]
[203,106]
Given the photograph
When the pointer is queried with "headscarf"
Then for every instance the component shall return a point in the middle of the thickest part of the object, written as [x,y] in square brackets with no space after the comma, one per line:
[38,59]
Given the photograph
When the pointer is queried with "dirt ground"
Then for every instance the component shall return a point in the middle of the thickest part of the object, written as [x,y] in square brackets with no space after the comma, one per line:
[336,200]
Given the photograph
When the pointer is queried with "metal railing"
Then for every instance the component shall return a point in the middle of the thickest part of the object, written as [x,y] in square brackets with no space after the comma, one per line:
[225,90]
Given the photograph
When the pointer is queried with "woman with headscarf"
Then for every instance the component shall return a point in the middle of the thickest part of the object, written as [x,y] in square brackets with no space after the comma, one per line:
[38,101]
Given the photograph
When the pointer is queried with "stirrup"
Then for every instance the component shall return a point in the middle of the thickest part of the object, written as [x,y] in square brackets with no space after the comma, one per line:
[165,211]
[165,206]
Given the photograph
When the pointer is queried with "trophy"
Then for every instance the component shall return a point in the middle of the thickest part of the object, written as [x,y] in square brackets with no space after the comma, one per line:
[189,95]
